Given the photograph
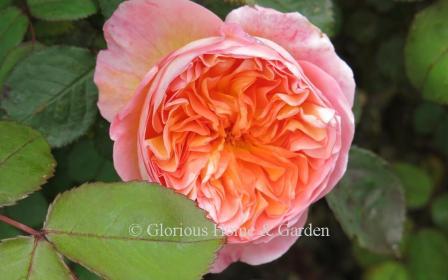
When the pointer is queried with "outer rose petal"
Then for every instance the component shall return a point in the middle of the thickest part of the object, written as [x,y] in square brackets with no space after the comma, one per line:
[297,35]
[330,89]
[256,253]
[138,34]
[124,131]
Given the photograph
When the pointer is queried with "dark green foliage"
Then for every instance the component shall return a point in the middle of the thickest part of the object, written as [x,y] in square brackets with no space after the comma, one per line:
[369,203]
[60,100]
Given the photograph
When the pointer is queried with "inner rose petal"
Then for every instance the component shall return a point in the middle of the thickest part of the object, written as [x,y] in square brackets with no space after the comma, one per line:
[228,115]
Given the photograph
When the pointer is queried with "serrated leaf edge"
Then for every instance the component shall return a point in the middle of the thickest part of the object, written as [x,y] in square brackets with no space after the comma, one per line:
[221,241]
[44,179]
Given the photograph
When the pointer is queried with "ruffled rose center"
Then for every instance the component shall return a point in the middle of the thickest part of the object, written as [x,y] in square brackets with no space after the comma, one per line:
[246,139]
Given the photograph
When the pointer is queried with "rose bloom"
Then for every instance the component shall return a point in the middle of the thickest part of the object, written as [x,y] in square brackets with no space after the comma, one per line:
[250,118]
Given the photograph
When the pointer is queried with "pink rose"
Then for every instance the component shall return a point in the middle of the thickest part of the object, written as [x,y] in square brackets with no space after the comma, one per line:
[251,117]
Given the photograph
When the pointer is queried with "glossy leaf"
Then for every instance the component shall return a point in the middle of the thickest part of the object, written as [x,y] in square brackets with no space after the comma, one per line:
[60,99]
[25,162]
[30,258]
[62,9]
[426,52]
[12,29]
[114,242]
[369,203]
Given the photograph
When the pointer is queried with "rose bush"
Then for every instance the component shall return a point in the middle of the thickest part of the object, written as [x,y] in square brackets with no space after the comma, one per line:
[250,117]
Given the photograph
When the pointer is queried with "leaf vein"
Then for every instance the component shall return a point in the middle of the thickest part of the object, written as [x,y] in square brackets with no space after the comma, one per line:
[92,235]
[20,148]
[33,253]
[59,95]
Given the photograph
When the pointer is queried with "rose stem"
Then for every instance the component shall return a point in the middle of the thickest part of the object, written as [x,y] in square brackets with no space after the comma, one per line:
[20,226]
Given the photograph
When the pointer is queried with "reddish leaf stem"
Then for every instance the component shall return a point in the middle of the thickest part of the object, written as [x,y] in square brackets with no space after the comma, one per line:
[20,226]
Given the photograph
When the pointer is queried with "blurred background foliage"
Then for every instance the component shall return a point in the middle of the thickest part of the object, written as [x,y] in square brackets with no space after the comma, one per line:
[398,51]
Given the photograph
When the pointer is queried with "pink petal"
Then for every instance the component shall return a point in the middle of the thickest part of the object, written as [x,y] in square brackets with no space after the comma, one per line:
[124,131]
[331,90]
[297,35]
[138,35]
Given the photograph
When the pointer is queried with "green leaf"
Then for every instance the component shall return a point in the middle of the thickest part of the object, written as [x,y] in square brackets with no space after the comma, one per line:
[369,203]
[322,13]
[25,162]
[426,52]
[416,183]
[62,9]
[12,29]
[439,211]
[15,56]
[428,253]
[388,270]
[31,258]
[104,228]
[52,90]
[108,7]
